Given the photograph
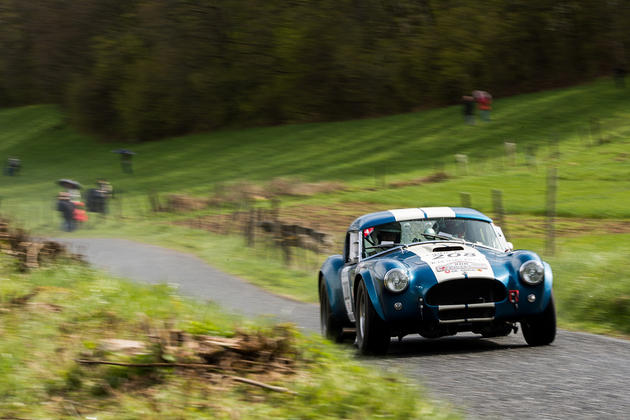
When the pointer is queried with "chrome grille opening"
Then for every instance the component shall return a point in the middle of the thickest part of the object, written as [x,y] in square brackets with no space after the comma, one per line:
[466,291]
[466,312]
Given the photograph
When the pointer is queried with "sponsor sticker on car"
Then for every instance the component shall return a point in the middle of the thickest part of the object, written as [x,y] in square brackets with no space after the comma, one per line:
[447,265]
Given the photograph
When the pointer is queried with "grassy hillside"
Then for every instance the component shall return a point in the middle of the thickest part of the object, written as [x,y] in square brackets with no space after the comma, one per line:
[398,147]
[583,131]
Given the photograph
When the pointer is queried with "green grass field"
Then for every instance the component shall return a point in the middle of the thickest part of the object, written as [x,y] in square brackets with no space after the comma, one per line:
[400,147]
[583,131]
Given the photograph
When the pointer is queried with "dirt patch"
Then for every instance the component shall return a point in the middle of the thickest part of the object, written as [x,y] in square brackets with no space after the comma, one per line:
[289,187]
[236,194]
[430,179]
[567,226]
[181,202]
[331,220]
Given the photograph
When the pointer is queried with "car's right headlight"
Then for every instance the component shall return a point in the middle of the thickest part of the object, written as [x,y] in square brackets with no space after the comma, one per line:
[396,280]
[532,272]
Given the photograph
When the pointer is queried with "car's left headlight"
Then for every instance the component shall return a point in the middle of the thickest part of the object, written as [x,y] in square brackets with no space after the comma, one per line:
[396,280]
[532,272]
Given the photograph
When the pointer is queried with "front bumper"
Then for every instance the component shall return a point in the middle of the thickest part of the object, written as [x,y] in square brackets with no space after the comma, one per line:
[412,306]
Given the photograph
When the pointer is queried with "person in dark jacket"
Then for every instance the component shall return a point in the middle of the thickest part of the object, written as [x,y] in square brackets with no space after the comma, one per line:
[468,103]
[66,208]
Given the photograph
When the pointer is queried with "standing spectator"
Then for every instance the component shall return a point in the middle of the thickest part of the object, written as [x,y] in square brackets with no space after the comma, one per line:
[79,214]
[66,208]
[468,103]
[97,197]
[74,194]
[106,187]
[125,159]
[484,103]
[13,166]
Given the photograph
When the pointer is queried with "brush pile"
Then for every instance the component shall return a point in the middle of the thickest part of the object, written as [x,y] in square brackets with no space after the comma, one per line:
[30,252]
[261,357]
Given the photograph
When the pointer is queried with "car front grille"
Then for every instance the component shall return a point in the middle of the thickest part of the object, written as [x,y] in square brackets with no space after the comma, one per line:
[467,313]
[466,291]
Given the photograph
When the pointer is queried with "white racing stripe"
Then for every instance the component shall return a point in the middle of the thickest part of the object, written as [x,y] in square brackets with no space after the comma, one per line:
[407,214]
[447,265]
[438,212]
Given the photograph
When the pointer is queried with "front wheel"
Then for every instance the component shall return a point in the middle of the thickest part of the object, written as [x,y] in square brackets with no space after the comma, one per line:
[330,326]
[372,334]
[540,330]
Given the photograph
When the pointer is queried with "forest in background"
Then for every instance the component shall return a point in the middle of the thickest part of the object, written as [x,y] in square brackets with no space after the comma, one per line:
[145,69]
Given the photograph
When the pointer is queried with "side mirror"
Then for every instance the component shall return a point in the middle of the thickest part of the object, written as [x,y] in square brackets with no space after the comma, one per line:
[353,254]
[510,246]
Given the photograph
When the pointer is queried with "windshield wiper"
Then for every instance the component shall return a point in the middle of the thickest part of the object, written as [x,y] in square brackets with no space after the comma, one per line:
[443,237]
[386,245]
[455,239]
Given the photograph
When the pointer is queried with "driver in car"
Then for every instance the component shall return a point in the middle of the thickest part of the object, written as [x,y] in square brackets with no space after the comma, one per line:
[386,237]
[454,228]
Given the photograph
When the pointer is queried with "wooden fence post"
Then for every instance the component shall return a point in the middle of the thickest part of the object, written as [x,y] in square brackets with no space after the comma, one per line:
[249,230]
[499,212]
[119,200]
[596,132]
[462,164]
[510,153]
[530,156]
[465,199]
[380,176]
[552,183]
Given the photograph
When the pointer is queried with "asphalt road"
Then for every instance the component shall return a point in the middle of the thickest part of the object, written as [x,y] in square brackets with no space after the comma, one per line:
[579,376]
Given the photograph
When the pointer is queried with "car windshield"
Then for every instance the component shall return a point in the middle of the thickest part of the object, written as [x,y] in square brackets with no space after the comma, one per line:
[380,237]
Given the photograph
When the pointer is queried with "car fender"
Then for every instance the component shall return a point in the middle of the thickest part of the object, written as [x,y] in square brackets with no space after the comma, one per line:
[548,284]
[372,287]
[329,274]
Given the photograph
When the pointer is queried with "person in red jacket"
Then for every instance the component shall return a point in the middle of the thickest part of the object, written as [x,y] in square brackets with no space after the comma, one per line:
[484,103]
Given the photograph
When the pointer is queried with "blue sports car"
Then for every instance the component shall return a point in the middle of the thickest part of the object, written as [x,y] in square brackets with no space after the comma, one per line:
[435,271]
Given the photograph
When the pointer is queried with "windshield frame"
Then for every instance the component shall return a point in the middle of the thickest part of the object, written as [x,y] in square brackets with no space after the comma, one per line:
[475,232]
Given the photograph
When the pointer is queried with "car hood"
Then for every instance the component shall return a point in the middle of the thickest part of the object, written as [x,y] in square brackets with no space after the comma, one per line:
[443,261]
[451,260]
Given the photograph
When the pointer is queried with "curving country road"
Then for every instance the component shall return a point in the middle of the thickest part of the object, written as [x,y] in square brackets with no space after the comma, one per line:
[580,376]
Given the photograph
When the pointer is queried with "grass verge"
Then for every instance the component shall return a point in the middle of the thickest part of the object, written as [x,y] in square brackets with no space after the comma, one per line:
[56,315]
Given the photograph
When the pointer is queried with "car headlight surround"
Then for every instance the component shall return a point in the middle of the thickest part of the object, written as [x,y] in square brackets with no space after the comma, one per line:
[532,272]
[396,280]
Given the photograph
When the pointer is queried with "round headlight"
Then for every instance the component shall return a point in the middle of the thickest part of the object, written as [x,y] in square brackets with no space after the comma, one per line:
[532,272]
[396,280]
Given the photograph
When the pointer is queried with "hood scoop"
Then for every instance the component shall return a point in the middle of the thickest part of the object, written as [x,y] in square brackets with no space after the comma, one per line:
[448,248]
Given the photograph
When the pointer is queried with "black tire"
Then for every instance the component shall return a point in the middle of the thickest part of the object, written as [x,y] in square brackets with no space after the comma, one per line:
[372,334]
[330,326]
[540,330]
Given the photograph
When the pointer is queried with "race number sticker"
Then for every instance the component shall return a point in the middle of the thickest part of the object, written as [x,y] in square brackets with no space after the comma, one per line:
[447,265]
